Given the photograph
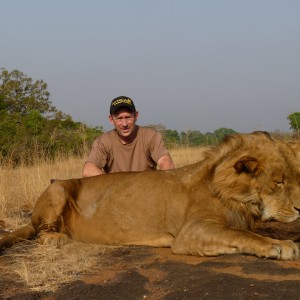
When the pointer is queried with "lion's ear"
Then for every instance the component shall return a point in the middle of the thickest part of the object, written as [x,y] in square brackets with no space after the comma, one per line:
[247,164]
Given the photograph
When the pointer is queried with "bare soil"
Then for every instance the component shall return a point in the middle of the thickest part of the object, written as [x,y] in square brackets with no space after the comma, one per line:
[155,273]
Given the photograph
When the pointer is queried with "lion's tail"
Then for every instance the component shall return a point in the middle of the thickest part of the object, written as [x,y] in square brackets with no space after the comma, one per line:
[24,233]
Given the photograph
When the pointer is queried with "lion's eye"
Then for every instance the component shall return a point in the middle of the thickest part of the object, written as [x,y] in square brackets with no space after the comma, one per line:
[279,183]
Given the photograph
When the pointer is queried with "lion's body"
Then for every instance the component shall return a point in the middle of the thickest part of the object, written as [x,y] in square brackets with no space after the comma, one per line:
[124,208]
[208,208]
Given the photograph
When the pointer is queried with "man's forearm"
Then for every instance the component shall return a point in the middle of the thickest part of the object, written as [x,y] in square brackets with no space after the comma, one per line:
[90,169]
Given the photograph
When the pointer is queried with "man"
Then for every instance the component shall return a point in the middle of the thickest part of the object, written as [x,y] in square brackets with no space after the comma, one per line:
[128,147]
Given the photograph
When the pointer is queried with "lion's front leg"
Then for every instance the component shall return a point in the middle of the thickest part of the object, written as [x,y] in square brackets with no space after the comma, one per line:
[47,216]
[211,239]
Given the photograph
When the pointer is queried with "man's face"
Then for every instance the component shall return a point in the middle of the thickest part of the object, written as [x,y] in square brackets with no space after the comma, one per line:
[124,122]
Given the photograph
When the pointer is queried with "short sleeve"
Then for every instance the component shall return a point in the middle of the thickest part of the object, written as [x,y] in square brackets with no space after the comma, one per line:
[157,147]
[99,154]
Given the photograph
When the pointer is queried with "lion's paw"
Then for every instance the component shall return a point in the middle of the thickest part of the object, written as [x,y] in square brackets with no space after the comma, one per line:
[283,250]
[53,239]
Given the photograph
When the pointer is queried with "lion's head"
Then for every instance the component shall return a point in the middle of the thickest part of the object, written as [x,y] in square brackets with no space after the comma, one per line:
[258,173]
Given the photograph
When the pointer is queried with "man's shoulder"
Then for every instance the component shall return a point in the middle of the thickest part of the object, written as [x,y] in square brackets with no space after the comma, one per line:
[147,130]
[148,133]
[106,136]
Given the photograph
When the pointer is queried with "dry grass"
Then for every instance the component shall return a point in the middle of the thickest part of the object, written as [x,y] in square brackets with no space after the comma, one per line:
[185,156]
[46,268]
[40,267]
[20,187]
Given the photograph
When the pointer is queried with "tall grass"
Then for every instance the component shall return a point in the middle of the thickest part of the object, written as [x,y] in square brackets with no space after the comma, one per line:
[41,267]
[20,186]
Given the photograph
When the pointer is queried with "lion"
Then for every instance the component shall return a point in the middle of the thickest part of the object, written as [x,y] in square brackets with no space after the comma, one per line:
[207,209]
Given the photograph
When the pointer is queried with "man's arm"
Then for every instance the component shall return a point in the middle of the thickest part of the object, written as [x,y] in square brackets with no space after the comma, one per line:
[90,169]
[166,163]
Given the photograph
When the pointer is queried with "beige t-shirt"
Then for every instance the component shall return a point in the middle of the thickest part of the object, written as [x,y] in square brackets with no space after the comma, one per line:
[141,154]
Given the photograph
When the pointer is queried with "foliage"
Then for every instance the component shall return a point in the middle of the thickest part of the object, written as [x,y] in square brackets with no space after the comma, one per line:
[193,138]
[31,127]
[22,94]
[223,132]
[171,137]
[294,119]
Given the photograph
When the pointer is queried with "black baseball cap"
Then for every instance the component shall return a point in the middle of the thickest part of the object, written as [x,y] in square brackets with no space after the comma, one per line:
[121,101]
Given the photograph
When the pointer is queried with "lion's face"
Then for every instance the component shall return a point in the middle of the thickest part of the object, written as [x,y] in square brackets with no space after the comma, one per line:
[267,181]
[280,193]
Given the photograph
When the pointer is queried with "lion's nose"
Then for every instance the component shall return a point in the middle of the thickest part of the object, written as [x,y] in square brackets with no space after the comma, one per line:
[298,210]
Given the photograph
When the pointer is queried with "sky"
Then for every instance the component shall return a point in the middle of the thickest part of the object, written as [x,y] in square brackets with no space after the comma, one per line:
[188,64]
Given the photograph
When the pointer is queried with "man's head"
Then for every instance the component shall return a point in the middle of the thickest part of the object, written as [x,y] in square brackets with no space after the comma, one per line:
[123,117]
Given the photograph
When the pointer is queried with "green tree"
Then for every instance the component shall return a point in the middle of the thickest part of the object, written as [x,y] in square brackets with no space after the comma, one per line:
[34,122]
[294,120]
[171,137]
[192,138]
[222,132]
[31,127]
[196,138]
[21,94]
[24,106]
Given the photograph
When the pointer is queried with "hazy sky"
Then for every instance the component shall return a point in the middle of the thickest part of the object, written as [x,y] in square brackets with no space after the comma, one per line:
[189,64]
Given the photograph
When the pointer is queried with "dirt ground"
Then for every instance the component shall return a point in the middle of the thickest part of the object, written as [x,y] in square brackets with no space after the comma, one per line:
[155,273]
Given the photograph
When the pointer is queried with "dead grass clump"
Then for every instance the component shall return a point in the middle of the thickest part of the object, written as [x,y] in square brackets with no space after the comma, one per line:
[183,156]
[46,268]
